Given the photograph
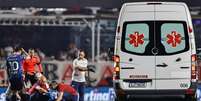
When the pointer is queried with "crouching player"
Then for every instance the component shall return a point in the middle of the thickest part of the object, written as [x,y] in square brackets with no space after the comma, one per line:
[39,90]
[15,74]
[64,88]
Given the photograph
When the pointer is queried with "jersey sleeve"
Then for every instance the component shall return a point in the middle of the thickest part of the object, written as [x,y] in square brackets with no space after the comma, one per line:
[40,67]
[85,63]
[38,62]
[74,63]
[60,88]
[67,88]
[21,58]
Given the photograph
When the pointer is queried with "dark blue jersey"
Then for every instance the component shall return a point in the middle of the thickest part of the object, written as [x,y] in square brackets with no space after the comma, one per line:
[14,66]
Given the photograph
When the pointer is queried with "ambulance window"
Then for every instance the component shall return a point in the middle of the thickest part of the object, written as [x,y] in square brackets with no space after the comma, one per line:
[173,37]
[136,37]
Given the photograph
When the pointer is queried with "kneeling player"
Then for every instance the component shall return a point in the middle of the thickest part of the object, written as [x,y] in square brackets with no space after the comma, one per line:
[64,88]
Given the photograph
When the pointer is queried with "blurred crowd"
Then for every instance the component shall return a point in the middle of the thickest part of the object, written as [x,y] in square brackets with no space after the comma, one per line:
[70,53]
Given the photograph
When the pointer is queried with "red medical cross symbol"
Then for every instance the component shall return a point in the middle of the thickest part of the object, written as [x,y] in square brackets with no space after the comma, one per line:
[136,39]
[174,38]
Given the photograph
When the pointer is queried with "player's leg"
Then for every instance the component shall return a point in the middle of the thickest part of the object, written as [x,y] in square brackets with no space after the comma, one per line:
[23,91]
[19,87]
[81,91]
[75,85]
[8,93]
[24,96]
[17,95]
[75,97]
[32,79]
[12,89]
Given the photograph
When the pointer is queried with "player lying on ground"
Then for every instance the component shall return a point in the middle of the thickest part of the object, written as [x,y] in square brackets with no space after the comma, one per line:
[41,91]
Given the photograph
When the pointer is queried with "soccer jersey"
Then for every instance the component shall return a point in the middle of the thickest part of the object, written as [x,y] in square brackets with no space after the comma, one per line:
[14,70]
[66,88]
[29,65]
[14,66]
[79,76]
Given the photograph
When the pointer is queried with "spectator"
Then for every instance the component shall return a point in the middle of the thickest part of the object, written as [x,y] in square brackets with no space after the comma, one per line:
[61,56]
[3,83]
[72,51]
[2,53]
[40,54]
[104,56]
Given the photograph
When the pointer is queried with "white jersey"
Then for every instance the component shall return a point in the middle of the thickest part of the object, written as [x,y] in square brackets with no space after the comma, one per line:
[79,76]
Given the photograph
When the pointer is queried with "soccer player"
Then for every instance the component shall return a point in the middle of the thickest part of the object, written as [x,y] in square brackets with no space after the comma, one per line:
[78,76]
[39,90]
[64,88]
[15,73]
[29,66]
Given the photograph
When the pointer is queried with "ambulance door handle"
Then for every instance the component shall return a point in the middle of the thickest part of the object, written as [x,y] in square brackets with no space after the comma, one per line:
[178,59]
[162,65]
[184,67]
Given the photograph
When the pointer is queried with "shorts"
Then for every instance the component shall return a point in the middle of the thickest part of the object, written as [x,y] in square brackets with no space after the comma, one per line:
[16,84]
[31,78]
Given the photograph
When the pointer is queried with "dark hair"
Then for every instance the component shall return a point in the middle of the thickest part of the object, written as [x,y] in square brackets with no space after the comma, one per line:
[81,50]
[54,83]
[30,49]
[17,49]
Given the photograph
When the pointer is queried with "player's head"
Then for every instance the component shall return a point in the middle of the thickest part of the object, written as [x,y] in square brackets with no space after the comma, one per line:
[17,50]
[31,52]
[54,84]
[81,54]
[38,76]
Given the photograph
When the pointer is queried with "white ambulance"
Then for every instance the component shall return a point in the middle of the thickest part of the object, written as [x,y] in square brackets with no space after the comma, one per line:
[155,51]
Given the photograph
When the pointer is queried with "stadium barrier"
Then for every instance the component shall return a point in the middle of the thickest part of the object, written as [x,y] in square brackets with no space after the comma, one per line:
[91,94]
[62,71]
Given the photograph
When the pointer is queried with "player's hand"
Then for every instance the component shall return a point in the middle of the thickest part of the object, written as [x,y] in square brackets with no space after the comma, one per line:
[24,52]
[28,57]
[23,77]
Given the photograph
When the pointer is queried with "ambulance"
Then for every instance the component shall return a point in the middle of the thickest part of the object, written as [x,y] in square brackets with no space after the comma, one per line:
[155,51]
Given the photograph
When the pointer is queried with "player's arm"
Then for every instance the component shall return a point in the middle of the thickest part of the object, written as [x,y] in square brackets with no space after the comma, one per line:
[60,96]
[31,90]
[24,52]
[38,63]
[79,67]
[7,68]
[40,68]
[84,66]
[40,89]
[83,69]
[75,66]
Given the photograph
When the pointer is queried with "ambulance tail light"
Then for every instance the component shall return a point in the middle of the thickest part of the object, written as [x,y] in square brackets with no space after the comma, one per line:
[190,30]
[116,60]
[193,68]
